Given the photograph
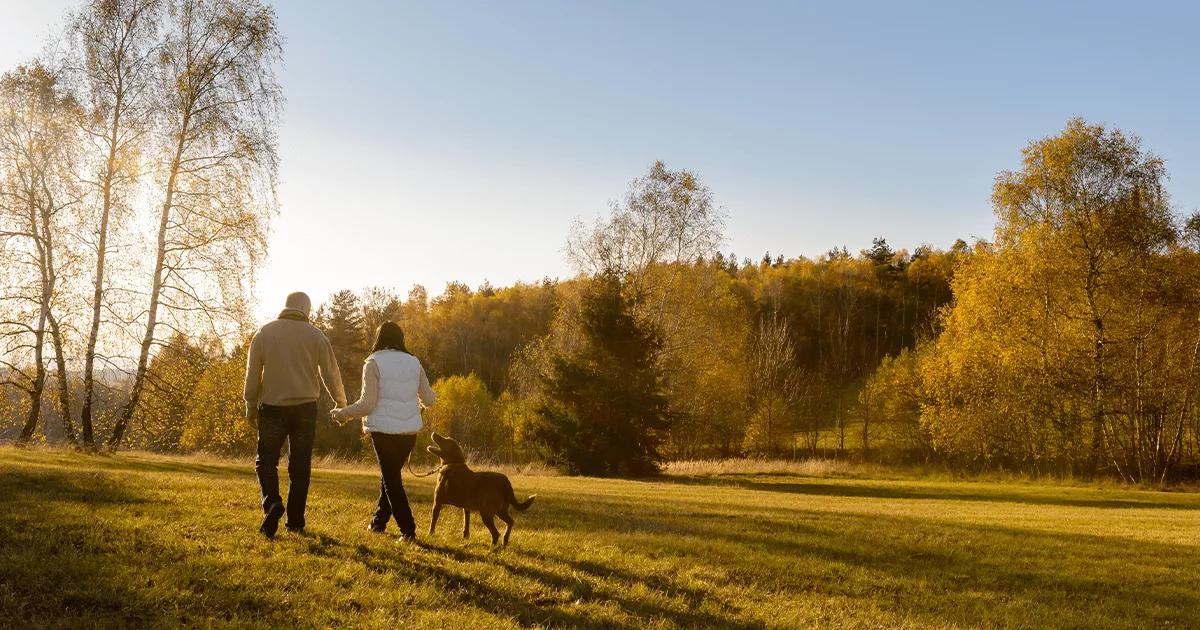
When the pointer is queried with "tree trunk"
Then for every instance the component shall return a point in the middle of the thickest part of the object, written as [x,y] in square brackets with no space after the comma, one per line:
[866,430]
[139,379]
[1097,447]
[64,384]
[39,379]
[1177,441]
[89,365]
[1097,414]
[38,385]
[50,280]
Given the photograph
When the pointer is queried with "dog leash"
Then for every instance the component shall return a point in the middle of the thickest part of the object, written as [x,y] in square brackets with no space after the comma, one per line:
[417,474]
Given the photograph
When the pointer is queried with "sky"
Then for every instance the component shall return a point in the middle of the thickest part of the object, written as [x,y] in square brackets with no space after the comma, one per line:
[425,142]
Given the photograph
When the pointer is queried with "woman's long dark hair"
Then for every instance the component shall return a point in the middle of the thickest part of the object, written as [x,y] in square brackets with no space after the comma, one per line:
[389,337]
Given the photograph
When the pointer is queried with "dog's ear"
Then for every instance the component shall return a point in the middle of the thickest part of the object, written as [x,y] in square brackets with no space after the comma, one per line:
[435,450]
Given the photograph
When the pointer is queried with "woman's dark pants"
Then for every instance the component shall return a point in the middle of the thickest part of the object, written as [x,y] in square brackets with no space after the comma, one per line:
[392,451]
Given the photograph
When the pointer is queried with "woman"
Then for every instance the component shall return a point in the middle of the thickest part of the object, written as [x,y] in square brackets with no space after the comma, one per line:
[394,390]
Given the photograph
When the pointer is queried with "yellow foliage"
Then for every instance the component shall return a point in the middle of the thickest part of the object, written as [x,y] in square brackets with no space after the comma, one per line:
[215,419]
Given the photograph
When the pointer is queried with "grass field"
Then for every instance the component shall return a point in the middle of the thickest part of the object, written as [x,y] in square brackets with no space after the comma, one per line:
[152,541]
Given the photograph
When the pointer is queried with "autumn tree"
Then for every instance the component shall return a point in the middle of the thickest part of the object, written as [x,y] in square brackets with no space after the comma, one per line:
[216,155]
[665,217]
[113,53]
[1092,200]
[775,386]
[379,305]
[705,363]
[1063,346]
[466,331]
[38,151]
[891,402]
[466,411]
[214,421]
[175,369]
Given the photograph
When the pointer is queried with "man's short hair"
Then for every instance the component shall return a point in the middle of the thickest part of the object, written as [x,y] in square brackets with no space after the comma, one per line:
[299,301]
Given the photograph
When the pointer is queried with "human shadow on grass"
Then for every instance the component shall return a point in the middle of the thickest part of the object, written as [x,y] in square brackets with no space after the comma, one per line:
[40,484]
[692,598]
[527,610]
[62,564]
[110,462]
[930,565]
[869,491]
[597,587]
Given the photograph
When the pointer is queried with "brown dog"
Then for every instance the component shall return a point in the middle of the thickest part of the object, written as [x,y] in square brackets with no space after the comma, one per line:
[489,493]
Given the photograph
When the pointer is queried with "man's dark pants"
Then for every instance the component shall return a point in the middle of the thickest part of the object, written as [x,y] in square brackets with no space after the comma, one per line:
[392,451]
[297,424]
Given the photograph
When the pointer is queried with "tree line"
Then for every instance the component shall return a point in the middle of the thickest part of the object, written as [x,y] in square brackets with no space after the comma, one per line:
[1066,344]
[667,346]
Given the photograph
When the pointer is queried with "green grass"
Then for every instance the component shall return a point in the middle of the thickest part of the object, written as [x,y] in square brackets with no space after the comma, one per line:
[152,541]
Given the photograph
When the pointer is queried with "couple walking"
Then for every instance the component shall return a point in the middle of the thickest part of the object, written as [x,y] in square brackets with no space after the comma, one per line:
[288,361]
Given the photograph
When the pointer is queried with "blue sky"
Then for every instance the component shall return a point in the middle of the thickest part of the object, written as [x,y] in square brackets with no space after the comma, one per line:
[425,142]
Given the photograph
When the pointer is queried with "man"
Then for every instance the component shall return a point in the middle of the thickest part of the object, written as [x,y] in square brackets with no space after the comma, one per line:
[288,362]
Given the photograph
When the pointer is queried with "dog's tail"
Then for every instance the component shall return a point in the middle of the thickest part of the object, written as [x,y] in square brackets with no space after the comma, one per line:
[522,505]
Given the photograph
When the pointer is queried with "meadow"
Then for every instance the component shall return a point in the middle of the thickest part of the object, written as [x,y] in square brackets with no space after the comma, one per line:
[141,540]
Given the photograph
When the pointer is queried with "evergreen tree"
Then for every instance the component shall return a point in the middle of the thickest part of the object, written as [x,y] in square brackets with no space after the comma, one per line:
[343,325]
[602,411]
[342,320]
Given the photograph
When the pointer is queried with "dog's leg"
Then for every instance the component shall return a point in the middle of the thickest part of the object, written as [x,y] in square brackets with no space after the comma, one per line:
[490,521]
[466,523]
[508,524]
[437,508]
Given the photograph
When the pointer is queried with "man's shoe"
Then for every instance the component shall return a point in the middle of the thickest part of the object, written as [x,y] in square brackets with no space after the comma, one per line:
[270,522]
[406,539]
[294,529]
[377,529]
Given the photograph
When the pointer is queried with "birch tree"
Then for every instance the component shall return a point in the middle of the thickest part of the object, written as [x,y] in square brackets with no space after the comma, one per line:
[37,145]
[113,45]
[1092,204]
[666,217]
[217,165]
[775,385]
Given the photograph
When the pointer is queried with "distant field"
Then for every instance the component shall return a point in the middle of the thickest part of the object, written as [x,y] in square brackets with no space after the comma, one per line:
[151,541]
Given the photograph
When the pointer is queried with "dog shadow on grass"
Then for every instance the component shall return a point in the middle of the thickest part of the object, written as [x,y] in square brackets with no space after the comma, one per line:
[469,590]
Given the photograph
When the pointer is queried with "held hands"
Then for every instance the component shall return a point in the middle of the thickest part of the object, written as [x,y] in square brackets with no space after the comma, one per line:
[335,414]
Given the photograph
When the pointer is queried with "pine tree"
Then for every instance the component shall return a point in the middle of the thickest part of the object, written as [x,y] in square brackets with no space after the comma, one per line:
[343,324]
[602,410]
[342,320]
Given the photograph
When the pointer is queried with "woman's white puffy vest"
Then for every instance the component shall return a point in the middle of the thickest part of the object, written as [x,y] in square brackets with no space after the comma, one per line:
[398,410]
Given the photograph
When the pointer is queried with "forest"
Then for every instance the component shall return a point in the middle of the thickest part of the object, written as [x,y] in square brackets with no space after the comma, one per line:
[138,167]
